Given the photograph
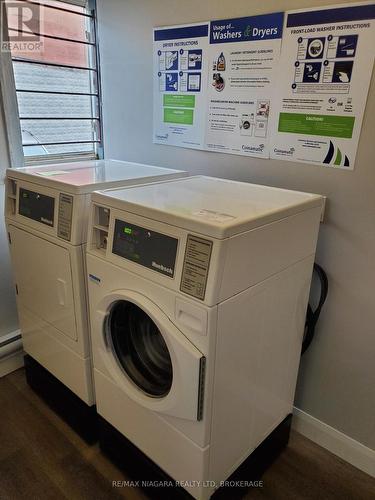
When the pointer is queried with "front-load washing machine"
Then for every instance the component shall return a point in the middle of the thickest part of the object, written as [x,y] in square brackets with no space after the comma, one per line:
[198,305]
[47,214]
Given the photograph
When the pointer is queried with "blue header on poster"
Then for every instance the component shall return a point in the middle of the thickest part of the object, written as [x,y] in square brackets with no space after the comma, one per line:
[327,16]
[183,32]
[247,29]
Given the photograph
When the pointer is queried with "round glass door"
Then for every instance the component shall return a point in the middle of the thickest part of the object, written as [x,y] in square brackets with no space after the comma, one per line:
[140,348]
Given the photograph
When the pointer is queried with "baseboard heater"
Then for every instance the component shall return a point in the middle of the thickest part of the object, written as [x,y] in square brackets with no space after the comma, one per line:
[10,344]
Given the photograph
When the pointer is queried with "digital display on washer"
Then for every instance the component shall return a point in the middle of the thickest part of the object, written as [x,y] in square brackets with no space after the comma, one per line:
[145,247]
[36,206]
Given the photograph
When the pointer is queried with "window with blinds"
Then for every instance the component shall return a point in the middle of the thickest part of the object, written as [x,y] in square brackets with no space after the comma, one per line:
[55,65]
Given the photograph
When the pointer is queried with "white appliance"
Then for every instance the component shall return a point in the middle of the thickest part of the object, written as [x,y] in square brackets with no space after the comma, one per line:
[46,213]
[197,315]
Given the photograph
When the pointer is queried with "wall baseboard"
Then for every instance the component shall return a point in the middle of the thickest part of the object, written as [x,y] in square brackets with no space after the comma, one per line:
[334,441]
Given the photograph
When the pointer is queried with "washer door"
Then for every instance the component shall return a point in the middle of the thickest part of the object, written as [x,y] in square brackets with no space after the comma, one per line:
[149,357]
[140,348]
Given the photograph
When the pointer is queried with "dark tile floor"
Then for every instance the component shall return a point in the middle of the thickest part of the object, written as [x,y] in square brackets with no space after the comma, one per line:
[42,458]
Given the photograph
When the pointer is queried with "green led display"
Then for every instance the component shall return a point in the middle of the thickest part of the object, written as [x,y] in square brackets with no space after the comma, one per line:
[128,230]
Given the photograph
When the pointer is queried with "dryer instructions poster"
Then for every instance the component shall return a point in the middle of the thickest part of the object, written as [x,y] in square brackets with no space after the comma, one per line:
[213,84]
[327,59]
[180,83]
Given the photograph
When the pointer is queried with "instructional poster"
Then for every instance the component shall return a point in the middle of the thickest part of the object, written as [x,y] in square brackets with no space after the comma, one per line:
[242,57]
[213,84]
[290,86]
[326,64]
[180,84]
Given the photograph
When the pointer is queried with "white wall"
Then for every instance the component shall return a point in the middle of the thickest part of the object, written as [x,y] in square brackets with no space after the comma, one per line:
[8,314]
[337,375]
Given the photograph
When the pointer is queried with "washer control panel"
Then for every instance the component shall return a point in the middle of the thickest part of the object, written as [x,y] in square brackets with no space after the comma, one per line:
[196,266]
[145,247]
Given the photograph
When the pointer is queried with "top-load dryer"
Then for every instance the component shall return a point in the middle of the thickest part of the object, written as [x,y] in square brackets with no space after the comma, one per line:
[198,305]
[46,213]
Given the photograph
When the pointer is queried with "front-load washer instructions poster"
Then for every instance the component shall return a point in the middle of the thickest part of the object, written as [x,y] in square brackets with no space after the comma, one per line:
[180,83]
[326,63]
[242,55]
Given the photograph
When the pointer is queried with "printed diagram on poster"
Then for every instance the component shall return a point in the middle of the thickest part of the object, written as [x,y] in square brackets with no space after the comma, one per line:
[243,54]
[327,58]
[180,81]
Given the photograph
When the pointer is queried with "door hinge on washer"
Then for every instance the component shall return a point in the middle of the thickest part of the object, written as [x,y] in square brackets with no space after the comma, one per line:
[16,286]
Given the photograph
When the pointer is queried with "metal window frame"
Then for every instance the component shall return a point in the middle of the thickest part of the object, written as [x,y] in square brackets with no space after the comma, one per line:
[53,37]
[19,158]
[58,158]
[57,92]
[72,2]
[78,3]
[91,118]
[10,106]
[60,143]
[91,6]
[44,63]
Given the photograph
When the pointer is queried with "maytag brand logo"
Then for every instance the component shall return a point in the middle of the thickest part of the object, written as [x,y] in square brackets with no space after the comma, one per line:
[161,137]
[162,268]
[253,149]
[46,221]
[284,152]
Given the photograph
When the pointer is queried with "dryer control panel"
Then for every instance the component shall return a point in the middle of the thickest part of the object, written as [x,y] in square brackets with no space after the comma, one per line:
[36,206]
[49,211]
[41,208]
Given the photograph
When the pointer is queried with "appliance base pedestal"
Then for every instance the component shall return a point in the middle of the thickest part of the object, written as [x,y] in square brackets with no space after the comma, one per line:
[76,413]
[138,467]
